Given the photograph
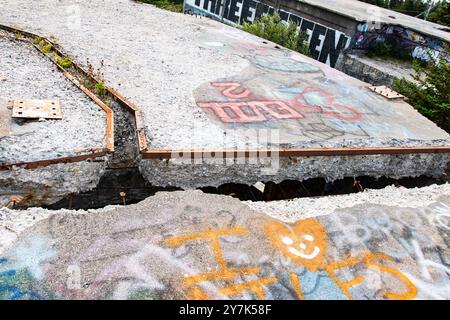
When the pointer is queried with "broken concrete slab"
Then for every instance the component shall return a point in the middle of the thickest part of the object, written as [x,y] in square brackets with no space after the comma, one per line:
[31,76]
[226,80]
[49,184]
[171,247]
[310,207]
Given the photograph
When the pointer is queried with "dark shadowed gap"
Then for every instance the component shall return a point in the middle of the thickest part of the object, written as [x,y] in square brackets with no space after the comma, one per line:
[127,186]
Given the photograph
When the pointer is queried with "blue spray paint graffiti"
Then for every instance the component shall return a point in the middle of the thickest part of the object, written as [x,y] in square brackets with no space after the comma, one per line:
[9,291]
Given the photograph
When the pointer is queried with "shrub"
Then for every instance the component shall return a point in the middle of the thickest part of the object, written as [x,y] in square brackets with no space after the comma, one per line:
[430,92]
[37,40]
[441,14]
[100,88]
[389,50]
[64,62]
[272,28]
[45,46]
[171,5]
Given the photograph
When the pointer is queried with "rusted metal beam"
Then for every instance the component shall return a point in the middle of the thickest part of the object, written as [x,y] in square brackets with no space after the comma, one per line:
[47,162]
[139,118]
[290,152]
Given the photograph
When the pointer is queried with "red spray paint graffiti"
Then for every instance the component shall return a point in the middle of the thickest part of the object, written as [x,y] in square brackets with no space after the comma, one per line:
[230,88]
[259,110]
[251,111]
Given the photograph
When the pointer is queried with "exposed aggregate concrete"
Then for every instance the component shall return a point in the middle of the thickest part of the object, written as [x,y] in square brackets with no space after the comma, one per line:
[26,74]
[30,75]
[13,222]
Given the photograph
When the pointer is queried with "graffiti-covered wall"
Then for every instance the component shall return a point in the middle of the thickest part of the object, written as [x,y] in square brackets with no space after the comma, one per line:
[325,43]
[410,42]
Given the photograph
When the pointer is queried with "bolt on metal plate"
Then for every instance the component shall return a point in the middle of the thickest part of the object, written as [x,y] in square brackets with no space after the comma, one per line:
[386,92]
[36,109]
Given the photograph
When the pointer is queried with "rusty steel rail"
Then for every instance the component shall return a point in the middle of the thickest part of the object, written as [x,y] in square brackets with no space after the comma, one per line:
[290,152]
[153,153]
[45,163]
[91,153]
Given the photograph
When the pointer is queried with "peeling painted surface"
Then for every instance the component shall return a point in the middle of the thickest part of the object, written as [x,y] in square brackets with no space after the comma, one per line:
[170,247]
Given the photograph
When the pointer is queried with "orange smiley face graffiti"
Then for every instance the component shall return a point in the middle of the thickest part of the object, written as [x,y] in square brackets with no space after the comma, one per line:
[305,242]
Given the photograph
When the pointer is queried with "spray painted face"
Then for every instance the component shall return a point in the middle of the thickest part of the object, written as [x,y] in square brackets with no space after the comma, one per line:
[304,242]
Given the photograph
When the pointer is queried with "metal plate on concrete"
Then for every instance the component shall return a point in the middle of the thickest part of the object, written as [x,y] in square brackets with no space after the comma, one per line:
[386,92]
[35,109]
[5,118]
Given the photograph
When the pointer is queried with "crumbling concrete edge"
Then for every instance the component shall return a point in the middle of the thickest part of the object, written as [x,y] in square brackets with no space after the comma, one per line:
[85,154]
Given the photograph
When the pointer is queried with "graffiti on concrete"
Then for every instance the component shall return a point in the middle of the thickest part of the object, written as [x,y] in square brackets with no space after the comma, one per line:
[410,42]
[283,90]
[309,100]
[325,43]
[186,251]
[247,110]
[223,272]
[11,284]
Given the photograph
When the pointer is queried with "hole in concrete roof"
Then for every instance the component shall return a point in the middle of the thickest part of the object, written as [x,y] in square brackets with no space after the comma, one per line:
[392,17]
[127,186]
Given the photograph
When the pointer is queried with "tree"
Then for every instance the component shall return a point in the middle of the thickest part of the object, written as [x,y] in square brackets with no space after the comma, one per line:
[272,28]
[414,7]
[430,92]
[441,14]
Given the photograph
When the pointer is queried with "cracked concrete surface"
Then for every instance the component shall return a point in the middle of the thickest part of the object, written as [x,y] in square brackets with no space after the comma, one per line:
[30,75]
[133,252]
[169,58]
[172,65]
[169,63]
[27,74]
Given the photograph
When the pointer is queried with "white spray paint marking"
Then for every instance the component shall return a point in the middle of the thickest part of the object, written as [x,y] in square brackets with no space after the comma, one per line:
[31,254]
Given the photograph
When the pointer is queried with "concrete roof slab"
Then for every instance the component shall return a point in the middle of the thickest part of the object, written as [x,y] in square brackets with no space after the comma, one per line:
[30,75]
[202,84]
[363,12]
[162,247]
[196,80]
